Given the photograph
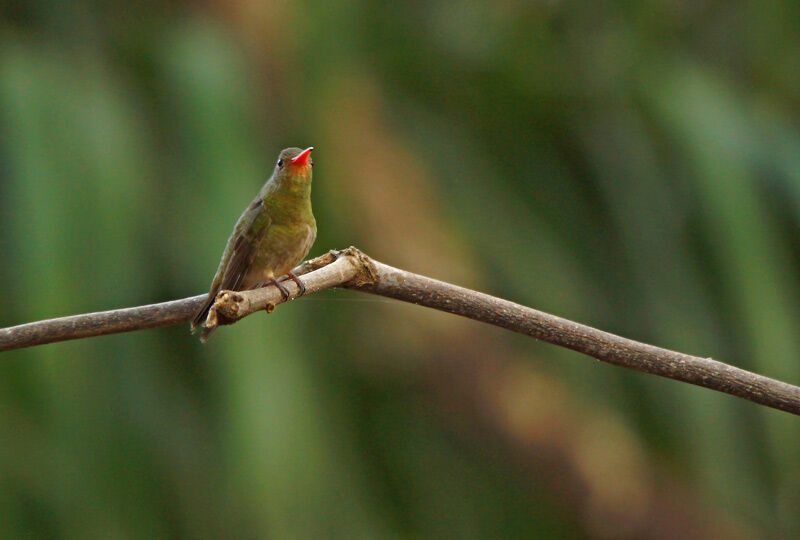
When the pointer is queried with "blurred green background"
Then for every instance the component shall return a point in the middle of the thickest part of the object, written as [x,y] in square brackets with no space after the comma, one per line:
[634,166]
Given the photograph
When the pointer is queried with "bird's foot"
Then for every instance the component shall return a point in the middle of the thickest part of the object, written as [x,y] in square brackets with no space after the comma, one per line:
[300,284]
[284,290]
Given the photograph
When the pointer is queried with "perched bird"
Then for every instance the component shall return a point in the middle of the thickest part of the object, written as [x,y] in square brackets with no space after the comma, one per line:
[272,236]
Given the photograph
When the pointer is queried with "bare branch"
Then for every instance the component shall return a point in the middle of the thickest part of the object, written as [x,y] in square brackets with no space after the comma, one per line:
[354,270]
[100,323]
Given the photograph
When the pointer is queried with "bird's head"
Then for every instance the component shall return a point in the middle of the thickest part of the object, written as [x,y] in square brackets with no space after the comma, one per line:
[294,163]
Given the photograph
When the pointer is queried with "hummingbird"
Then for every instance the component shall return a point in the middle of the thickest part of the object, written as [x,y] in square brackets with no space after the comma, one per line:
[272,236]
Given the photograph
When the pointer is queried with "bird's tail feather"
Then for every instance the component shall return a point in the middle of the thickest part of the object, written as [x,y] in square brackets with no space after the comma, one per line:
[201,316]
[206,333]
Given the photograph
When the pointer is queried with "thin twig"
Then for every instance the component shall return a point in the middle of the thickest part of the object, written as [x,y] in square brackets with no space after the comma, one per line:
[100,323]
[354,270]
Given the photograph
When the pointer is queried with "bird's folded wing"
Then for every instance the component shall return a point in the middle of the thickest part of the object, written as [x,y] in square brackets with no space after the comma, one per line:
[243,249]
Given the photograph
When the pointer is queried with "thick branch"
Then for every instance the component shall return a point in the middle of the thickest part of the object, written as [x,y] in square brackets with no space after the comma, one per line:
[353,270]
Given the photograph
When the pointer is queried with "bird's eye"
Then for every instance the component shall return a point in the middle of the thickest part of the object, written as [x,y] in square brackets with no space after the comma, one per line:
[280,163]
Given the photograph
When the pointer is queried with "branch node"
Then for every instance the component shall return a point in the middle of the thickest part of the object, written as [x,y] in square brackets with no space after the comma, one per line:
[226,308]
[366,273]
[211,319]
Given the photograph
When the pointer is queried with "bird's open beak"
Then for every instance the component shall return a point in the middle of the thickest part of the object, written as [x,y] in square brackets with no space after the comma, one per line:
[301,159]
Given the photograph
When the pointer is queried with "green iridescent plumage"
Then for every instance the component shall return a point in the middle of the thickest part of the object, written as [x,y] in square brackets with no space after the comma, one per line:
[273,235]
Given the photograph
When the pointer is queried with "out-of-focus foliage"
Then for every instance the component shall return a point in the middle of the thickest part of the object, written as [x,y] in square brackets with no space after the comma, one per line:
[634,166]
